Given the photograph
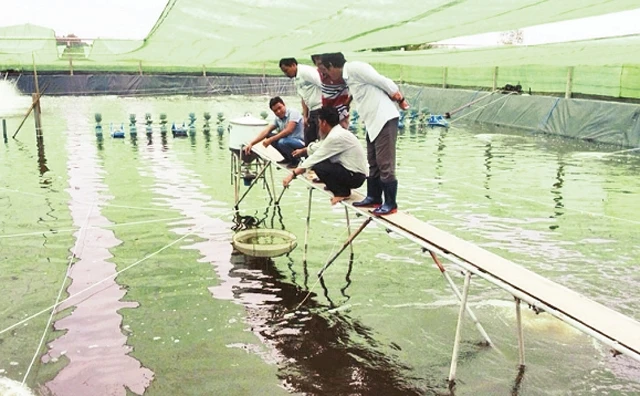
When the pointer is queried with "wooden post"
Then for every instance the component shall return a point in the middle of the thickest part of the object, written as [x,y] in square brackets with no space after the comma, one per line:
[204,71]
[495,78]
[70,65]
[4,129]
[140,67]
[35,100]
[35,73]
[567,92]
[36,113]
[445,71]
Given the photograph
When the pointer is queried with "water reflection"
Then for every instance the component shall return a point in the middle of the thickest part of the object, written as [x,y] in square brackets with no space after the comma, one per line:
[556,190]
[440,155]
[42,159]
[488,157]
[322,351]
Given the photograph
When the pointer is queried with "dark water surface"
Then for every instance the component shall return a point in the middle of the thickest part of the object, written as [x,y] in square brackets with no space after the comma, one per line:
[160,304]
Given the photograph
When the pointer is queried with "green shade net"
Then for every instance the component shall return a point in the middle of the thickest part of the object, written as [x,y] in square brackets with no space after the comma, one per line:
[250,36]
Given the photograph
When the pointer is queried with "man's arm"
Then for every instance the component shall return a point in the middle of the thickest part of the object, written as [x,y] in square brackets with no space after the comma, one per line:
[305,112]
[291,126]
[261,135]
[366,73]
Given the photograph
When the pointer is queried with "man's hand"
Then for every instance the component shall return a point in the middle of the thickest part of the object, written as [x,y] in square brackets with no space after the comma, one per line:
[287,180]
[299,152]
[396,96]
[267,142]
[247,148]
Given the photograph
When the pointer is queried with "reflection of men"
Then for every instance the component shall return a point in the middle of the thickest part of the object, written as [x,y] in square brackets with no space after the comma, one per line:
[288,125]
[338,159]
[308,86]
[374,95]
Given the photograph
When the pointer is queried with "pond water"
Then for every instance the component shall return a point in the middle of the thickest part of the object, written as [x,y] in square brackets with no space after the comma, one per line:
[157,302]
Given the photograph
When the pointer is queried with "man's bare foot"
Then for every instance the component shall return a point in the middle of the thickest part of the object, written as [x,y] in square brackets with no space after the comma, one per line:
[335,200]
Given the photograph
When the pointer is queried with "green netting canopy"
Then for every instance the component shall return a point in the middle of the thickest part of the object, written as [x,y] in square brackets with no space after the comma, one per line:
[249,36]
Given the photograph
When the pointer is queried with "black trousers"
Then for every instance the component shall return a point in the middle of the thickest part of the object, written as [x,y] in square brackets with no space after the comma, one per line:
[311,130]
[338,179]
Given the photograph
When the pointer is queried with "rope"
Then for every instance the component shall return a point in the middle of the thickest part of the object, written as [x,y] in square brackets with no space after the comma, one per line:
[106,227]
[482,107]
[123,270]
[64,281]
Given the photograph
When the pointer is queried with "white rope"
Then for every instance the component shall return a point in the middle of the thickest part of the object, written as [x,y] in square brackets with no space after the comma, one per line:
[101,281]
[125,269]
[81,236]
[482,107]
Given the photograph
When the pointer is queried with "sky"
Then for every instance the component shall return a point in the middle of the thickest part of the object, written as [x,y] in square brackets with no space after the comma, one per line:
[119,19]
[133,19]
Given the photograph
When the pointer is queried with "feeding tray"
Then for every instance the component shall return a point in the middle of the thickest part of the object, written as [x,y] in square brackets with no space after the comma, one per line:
[264,242]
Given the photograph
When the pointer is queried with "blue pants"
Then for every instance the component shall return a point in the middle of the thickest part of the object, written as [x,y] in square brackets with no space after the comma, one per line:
[286,145]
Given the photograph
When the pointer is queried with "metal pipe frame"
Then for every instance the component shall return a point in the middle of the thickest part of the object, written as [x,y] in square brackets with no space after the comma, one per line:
[515,292]
[453,286]
[456,341]
[520,332]
[306,229]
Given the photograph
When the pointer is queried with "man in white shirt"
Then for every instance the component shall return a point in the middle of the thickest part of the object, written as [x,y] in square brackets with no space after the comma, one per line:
[309,88]
[374,96]
[338,160]
[284,133]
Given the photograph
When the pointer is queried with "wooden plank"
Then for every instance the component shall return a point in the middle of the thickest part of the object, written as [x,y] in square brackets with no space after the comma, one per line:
[598,317]
[601,319]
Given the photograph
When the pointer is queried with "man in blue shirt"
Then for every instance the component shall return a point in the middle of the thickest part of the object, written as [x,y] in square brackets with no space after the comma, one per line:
[285,133]
[374,96]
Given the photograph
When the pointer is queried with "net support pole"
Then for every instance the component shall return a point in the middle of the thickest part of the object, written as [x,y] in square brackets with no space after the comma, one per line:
[306,228]
[71,66]
[140,67]
[520,333]
[37,113]
[567,92]
[4,130]
[445,72]
[204,71]
[344,246]
[456,341]
[495,78]
[346,215]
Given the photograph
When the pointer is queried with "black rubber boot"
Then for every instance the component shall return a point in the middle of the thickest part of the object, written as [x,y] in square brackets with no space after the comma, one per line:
[390,191]
[374,194]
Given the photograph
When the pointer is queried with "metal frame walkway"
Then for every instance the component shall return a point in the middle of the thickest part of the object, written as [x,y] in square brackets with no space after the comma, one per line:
[612,328]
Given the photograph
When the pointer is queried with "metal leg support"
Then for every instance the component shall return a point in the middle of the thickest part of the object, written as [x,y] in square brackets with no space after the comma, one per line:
[520,332]
[456,342]
[453,286]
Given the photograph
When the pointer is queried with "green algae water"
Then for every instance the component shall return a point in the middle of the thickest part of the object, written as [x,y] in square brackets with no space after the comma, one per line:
[155,301]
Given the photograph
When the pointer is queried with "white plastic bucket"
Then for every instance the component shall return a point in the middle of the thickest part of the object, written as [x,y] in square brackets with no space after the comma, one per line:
[243,130]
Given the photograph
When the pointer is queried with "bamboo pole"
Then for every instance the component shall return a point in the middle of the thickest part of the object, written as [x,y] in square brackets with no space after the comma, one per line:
[445,72]
[567,92]
[495,78]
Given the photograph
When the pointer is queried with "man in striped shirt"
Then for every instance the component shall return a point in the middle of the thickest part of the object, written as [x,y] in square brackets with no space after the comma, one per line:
[334,93]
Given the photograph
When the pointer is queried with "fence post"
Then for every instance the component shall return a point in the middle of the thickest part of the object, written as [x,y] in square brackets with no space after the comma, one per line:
[495,78]
[70,65]
[445,72]
[204,71]
[567,92]
[140,66]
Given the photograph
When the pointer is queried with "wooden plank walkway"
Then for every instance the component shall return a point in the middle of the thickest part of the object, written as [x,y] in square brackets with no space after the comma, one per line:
[619,329]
